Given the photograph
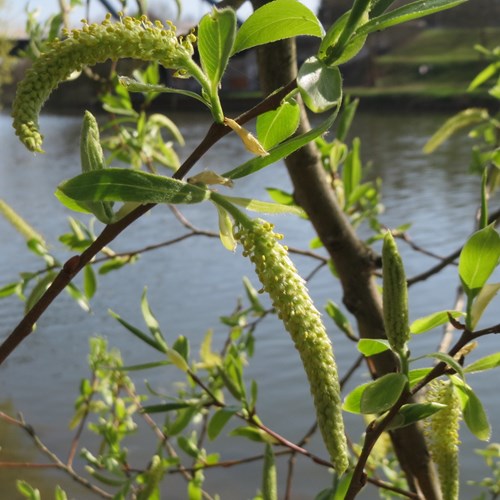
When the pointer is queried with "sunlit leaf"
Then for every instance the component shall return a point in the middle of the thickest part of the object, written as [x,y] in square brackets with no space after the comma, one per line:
[415,10]
[486,295]
[479,258]
[483,364]
[278,124]
[473,412]
[226,229]
[320,85]
[463,119]
[265,206]
[89,281]
[370,347]
[219,419]
[281,151]
[216,34]
[432,321]
[411,413]
[275,21]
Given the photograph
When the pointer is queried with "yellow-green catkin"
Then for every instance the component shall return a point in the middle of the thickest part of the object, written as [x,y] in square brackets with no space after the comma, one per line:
[395,296]
[302,320]
[441,432]
[93,43]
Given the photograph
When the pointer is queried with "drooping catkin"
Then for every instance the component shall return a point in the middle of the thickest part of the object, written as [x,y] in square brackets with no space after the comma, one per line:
[302,320]
[395,296]
[441,432]
[129,38]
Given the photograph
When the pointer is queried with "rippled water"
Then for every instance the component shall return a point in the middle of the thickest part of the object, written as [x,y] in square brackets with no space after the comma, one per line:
[192,283]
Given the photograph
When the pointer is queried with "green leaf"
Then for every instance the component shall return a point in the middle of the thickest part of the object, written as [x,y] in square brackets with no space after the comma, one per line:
[39,289]
[216,34]
[370,347]
[219,419]
[336,48]
[473,412]
[177,360]
[275,21]
[123,184]
[352,171]
[479,258]
[414,10]
[348,112]
[417,374]
[490,71]
[279,152]
[135,86]
[252,295]
[320,85]
[266,207]
[226,229]
[463,119]
[483,364]
[19,224]
[485,296]
[411,413]
[27,490]
[280,196]
[278,124]
[208,357]
[253,434]
[188,446]
[60,494]
[8,290]
[333,310]
[377,396]
[432,321]
[89,281]
[445,358]
[269,475]
[152,322]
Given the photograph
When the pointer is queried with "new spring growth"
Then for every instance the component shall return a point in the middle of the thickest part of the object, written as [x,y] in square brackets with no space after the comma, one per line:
[95,43]
[302,320]
[441,432]
[395,296]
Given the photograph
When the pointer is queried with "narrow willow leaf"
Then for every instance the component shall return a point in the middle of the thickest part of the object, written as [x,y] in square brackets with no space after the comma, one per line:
[281,151]
[280,196]
[252,295]
[352,171]
[278,124]
[21,226]
[177,360]
[266,207]
[78,296]
[336,48]
[219,419]
[418,374]
[348,112]
[320,85]
[252,433]
[490,71]
[463,119]
[152,322]
[479,258]
[446,358]
[483,364]
[8,290]
[39,289]
[275,21]
[123,184]
[370,347]
[486,295]
[135,86]
[166,407]
[226,229]
[473,412]
[412,413]
[432,321]
[208,357]
[216,34]
[138,333]
[89,281]
[333,310]
[414,10]
[181,345]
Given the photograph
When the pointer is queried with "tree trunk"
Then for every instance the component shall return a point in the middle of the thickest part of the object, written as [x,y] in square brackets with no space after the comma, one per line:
[353,261]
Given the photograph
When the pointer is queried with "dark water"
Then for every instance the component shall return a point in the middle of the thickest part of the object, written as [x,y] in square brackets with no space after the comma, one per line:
[192,283]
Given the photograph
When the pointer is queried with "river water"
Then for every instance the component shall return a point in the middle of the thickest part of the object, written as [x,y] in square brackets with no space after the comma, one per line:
[191,284]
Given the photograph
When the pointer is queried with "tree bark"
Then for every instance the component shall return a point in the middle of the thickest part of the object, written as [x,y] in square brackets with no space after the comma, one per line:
[354,262]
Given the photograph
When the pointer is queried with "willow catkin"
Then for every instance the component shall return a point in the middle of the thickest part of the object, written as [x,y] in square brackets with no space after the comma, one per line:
[302,320]
[441,432]
[93,43]
[395,296]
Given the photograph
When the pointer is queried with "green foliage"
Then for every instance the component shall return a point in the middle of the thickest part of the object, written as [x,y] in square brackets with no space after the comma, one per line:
[213,397]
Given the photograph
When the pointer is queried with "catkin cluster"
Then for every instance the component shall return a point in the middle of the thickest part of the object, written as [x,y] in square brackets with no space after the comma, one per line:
[129,38]
[441,431]
[302,320]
